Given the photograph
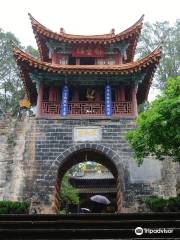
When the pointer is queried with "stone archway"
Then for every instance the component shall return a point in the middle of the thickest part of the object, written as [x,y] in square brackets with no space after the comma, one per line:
[48,187]
[90,152]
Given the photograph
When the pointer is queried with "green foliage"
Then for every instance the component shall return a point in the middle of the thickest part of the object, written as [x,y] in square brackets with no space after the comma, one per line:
[69,194]
[63,211]
[10,83]
[33,52]
[89,165]
[158,129]
[158,204]
[10,207]
[169,37]
[173,204]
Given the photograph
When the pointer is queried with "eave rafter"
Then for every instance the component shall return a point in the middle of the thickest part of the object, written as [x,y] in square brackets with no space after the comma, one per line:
[152,59]
[146,65]
[43,34]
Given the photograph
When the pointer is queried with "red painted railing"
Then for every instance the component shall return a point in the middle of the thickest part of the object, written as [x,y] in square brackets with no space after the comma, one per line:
[87,108]
[122,108]
[50,108]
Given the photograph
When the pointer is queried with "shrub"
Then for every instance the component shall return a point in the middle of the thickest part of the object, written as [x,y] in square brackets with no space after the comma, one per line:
[11,207]
[158,204]
[173,204]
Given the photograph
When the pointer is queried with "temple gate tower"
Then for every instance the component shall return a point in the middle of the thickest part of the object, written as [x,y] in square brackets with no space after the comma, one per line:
[87,90]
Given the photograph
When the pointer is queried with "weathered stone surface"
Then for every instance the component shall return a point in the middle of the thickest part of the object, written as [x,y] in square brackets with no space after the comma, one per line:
[16,157]
[32,152]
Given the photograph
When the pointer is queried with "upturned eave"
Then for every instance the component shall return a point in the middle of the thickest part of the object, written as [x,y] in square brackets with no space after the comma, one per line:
[43,35]
[147,66]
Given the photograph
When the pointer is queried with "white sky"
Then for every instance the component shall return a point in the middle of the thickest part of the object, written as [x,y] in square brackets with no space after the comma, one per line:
[82,16]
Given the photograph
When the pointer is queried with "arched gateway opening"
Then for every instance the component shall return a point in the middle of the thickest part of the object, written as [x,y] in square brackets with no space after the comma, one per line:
[98,154]
[88,187]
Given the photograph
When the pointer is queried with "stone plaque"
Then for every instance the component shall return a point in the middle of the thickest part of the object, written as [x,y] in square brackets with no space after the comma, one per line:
[83,134]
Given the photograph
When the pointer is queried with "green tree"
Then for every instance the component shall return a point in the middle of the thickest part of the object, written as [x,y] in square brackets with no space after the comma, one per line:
[10,84]
[89,165]
[11,88]
[32,51]
[169,36]
[68,194]
[158,129]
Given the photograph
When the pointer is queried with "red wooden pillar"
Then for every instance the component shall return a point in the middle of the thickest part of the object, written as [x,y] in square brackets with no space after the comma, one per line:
[134,100]
[121,93]
[55,58]
[118,59]
[40,99]
[52,94]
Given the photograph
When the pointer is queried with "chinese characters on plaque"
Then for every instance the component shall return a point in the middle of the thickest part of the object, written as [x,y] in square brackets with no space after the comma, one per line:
[89,133]
[88,51]
[108,101]
[64,103]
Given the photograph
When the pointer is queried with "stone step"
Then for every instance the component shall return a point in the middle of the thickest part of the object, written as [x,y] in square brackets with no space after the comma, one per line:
[87,226]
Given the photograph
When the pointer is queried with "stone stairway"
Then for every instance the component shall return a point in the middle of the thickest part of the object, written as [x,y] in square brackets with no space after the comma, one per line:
[88,226]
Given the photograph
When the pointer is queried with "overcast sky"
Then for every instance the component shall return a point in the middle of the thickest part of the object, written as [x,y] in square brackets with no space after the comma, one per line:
[82,16]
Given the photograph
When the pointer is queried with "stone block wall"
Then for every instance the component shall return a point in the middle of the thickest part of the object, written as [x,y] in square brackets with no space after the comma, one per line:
[33,151]
[55,142]
[17,155]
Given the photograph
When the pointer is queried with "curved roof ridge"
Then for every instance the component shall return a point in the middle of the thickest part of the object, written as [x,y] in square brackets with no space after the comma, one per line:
[20,54]
[67,35]
[135,25]
[17,50]
[156,52]
[107,35]
[33,20]
[43,34]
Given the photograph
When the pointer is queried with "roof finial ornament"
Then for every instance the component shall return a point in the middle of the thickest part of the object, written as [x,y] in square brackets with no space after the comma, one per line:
[30,16]
[62,30]
[112,31]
